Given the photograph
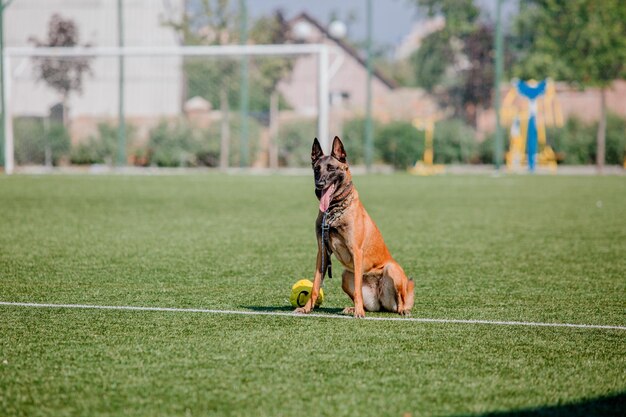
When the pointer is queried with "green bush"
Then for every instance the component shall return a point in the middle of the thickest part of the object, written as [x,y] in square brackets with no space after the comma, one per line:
[32,139]
[29,138]
[353,138]
[486,148]
[180,144]
[400,144]
[173,145]
[615,140]
[454,142]
[295,141]
[576,141]
[83,154]
[102,147]
[208,153]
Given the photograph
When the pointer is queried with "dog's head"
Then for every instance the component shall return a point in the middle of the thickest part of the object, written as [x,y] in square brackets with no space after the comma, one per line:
[330,171]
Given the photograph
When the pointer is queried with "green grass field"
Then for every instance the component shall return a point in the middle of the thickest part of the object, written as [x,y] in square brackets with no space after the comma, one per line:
[520,248]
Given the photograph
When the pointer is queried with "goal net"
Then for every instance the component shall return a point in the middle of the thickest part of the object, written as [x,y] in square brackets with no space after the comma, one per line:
[192,106]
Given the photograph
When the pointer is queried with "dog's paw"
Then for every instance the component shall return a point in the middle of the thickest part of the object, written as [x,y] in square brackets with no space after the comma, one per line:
[351,311]
[359,313]
[301,310]
[348,311]
[405,313]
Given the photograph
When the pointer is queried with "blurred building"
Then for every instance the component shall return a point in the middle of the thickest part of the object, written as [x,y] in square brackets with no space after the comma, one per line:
[348,80]
[153,86]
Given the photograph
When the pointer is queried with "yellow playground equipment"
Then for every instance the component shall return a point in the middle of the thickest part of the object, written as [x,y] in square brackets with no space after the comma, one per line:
[426,165]
[520,114]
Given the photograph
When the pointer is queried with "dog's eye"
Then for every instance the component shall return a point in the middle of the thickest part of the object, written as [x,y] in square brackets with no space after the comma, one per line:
[331,168]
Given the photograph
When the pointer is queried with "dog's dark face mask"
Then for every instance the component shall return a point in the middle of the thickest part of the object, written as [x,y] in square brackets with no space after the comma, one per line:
[329,172]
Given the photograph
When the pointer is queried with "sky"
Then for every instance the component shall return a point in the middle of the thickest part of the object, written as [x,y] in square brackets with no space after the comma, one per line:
[392,19]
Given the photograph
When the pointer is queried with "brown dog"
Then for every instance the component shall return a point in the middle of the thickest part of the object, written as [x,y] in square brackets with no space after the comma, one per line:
[372,278]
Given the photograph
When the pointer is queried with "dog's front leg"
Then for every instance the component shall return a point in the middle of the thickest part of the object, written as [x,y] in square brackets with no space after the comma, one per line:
[317,283]
[359,310]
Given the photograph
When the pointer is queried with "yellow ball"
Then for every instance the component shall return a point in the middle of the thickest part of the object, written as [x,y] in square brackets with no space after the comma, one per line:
[301,292]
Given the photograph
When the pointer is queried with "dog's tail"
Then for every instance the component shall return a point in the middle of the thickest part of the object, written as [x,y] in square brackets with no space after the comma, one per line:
[410,294]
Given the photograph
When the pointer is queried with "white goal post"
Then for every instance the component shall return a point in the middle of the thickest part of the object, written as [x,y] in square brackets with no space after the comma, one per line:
[324,72]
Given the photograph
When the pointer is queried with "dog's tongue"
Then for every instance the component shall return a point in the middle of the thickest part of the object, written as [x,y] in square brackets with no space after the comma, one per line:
[325,200]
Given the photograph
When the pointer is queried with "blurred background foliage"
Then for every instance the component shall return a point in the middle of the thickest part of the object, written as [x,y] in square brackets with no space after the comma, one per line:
[180,144]
[580,42]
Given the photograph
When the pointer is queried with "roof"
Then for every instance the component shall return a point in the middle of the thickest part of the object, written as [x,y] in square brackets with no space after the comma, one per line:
[345,46]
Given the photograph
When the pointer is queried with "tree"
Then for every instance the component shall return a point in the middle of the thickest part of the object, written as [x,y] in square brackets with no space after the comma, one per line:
[461,15]
[432,59]
[478,77]
[211,22]
[456,62]
[582,42]
[272,30]
[64,75]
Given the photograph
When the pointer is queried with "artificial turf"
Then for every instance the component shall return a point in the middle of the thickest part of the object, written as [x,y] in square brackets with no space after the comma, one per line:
[522,248]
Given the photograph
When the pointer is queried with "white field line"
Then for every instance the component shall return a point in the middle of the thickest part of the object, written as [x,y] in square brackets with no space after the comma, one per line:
[326,316]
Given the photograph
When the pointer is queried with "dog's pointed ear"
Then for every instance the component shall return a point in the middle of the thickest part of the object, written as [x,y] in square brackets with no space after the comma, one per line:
[338,152]
[316,151]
